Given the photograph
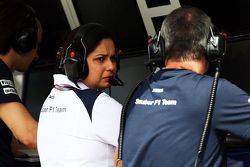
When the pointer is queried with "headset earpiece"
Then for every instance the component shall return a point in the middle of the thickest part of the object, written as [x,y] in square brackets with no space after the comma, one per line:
[156,51]
[25,40]
[216,46]
[73,64]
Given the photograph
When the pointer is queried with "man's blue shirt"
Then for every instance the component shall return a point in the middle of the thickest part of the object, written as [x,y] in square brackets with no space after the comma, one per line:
[166,115]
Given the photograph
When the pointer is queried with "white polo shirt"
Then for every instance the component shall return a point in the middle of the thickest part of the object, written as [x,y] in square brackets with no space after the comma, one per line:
[76,131]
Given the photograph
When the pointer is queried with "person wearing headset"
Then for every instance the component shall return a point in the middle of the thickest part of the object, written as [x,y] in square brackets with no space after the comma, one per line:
[20,33]
[165,115]
[79,123]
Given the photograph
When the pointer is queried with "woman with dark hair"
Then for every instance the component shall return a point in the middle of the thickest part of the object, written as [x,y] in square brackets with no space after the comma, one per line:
[78,123]
[20,33]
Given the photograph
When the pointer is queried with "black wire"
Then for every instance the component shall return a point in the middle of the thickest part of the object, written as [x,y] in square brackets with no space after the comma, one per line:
[123,119]
[204,136]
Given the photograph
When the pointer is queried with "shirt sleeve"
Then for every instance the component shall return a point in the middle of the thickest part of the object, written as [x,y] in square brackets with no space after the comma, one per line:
[8,91]
[232,110]
[106,119]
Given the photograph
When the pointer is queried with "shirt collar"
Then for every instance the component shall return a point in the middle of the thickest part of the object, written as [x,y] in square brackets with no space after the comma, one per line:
[171,72]
[61,79]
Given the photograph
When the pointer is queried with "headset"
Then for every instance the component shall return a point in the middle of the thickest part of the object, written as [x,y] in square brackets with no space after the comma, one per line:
[216,45]
[156,51]
[215,48]
[74,61]
[25,38]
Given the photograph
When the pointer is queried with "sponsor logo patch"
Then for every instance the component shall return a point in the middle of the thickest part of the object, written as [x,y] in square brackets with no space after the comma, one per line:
[5,82]
[9,91]
[157,90]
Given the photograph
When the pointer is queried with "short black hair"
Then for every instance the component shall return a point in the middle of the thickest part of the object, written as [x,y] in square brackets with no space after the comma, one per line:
[14,16]
[90,34]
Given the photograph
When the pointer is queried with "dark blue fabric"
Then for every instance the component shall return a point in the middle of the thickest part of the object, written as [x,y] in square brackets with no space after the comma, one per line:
[160,133]
[238,157]
[6,156]
[88,97]
[6,74]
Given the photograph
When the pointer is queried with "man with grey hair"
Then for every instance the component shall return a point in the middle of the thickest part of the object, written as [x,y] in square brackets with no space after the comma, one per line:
[165,115]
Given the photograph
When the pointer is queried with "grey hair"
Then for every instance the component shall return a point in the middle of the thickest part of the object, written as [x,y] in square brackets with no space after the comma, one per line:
[188,30]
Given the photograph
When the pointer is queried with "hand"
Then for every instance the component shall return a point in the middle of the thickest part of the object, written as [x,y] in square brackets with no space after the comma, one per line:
[117,162]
